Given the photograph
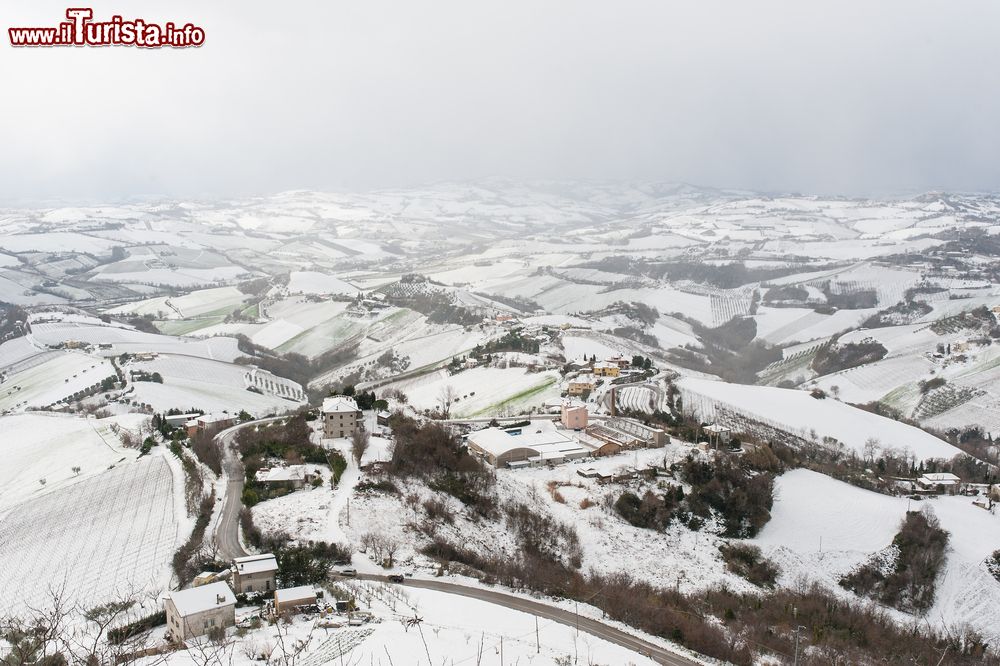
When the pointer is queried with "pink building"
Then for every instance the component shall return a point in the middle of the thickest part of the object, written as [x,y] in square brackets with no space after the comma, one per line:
[574,416]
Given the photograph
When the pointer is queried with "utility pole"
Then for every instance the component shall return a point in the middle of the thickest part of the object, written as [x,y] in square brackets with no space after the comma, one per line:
[538,645]
[348,511]
[576,639]
[797,629]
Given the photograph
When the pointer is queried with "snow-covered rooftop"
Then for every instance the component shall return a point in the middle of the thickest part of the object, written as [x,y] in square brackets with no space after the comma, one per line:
[300,593]
[547,442]
[943,478]
[203,598]
[209,419]
[339,403]
[277,474]
[256,564]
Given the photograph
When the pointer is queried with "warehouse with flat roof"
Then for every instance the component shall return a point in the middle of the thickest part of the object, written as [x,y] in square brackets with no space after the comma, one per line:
[535,444]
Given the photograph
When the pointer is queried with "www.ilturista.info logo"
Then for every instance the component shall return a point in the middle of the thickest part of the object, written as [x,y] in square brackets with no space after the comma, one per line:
[82,30]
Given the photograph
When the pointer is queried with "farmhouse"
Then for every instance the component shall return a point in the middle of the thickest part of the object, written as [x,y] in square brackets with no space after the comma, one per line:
[521,447]
[254,573]
[199,610]
[206,422]
[341,416]
[289,599]
[943,480]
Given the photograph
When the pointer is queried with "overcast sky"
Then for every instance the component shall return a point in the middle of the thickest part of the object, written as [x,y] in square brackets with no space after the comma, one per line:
[845,96]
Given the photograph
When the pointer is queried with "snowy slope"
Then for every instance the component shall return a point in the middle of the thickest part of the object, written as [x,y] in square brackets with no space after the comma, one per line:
[799,413]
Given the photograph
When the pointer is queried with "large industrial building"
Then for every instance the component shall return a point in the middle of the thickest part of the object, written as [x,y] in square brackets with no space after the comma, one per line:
[537,444]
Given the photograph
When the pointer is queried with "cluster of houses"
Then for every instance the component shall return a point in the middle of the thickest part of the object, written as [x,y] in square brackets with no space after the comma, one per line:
[210,605]
[592,373]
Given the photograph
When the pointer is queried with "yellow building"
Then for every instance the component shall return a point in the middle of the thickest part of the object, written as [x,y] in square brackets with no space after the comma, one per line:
[606,369]
[581,385]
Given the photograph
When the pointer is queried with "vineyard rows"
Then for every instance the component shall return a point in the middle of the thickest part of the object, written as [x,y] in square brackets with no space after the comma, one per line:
[94,541]
[637,399]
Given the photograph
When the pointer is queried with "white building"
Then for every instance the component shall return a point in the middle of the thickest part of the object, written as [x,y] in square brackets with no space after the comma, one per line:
[944,480]
[341,416]
[199,610]
[536,444]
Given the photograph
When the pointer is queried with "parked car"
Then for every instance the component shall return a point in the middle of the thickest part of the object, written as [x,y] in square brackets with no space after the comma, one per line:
[348,572]
[396,578]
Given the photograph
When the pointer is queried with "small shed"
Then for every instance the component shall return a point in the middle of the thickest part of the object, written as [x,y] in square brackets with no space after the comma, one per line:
[291,598]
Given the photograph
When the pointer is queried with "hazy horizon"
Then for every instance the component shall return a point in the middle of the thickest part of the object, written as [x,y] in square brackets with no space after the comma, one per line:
[829,98]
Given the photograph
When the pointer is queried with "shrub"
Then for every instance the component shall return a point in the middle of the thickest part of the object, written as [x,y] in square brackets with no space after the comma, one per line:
[438,510]
[905,576]
[381,486]
[119,635]
[746,561]
[835,357]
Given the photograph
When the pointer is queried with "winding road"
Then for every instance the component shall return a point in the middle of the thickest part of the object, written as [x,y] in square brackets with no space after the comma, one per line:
[227,530]
[554,613]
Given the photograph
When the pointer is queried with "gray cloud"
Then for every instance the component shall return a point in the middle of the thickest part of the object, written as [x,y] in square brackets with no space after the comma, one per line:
[828,97]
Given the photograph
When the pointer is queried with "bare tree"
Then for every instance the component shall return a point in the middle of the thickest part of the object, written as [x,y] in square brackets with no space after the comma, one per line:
[446,396]
[359,444]
[870,449]
[390,545]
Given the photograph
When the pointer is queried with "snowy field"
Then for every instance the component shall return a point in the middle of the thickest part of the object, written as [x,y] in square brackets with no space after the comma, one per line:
[482,391]
[221,300]
[872,381]
[96,540]
[124,340]
[798,412]
[311,282]
[821,528]
[48,446]
[285,319]
[170,277]
[576,347]
[16,351]
[54,380]
[213,386]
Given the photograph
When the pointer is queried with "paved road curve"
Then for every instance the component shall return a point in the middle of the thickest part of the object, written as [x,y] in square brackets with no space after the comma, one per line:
[554,613]
[227,531]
